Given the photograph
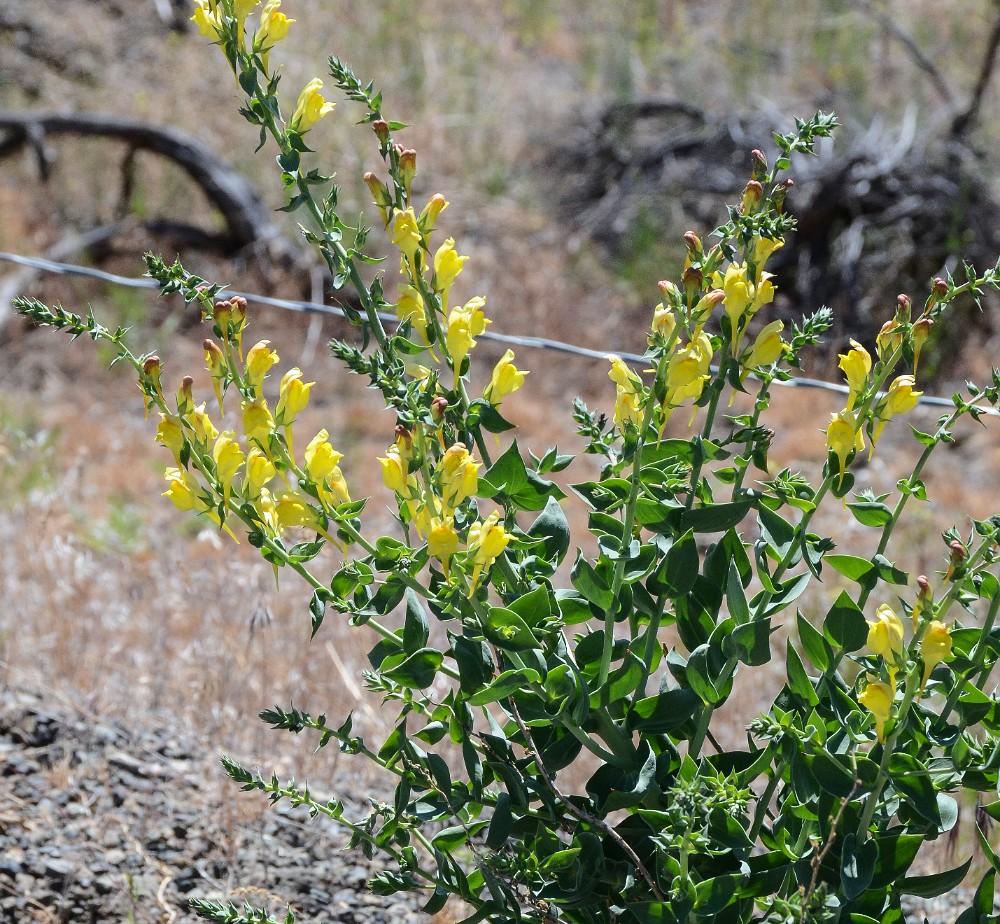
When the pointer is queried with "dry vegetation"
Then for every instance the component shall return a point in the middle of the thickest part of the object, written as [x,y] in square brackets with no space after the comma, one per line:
[110,598]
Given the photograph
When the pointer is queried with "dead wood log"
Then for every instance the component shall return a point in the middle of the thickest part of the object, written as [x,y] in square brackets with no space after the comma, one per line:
[247,221]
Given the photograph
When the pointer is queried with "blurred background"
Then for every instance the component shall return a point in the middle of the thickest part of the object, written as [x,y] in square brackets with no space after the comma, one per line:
[576,142]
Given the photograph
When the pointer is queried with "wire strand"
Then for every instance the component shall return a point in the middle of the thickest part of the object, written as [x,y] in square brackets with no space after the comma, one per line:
[307,307]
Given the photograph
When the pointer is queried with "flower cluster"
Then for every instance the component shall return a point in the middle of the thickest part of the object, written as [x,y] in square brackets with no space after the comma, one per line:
[431,495]
[886,643]
[253,471]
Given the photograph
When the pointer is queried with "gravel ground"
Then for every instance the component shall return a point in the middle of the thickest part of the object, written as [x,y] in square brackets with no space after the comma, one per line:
[100,822]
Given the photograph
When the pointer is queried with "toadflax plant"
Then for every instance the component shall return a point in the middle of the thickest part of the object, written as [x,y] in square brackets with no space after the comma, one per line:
[702,550]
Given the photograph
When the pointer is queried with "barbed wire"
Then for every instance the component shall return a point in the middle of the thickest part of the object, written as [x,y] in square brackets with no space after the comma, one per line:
[309,307]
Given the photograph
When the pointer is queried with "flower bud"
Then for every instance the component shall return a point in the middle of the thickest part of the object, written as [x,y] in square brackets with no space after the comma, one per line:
[380,195]
[669,291]
[877,698]
[427,219]
[438,407]
[149,383]
[408,167]
[889,338]
[381,129]
[935,648]
[921,331]
[752,196]
[695,249]
[924,601]
[185,398]
[903,308]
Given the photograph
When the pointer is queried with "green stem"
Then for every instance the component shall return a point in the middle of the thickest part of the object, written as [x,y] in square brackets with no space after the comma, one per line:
[762,806]
[718,385]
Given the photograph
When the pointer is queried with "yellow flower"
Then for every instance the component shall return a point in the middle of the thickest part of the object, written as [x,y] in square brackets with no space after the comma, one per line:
[228,458]
[687,372]
[405,234]
[447,265]
[170,433]
[208,20]
[900,399]
[628,393]
[257,422]
[273,28]
[259,471]
[664,322]
[464,325]
[506,379]
[702,311]
[856,365]
[487,540]
[410,307]
[242,9]
[885,638]
[459,476]
[394,471]
[921,331]
[764,247]
[259,362]
[293,396]
[204,429]
[184,491]
[935,647]
[427,220]
[877,698]
[323,469]
[843,437]
[763,293]
[215,362]
[310,108]
[767,347]
[739,295]
[889,338]
[293,509]
[442,541]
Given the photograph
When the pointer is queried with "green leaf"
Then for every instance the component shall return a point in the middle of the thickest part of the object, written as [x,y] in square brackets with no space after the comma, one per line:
[912,781]
[896,852]
[561,859]
[736,596]
[535,607]
[317,609]
[775,530]
[704,669]
[832,774]
[981,908]
[857,865]
[501,824]
[816,647]
[508,683]
[845,624]
[870,513]
[936,884]
[750,643]
[676,576]
[416,670]
[665,713]
[591,583]
[852,567]
[715,518]
[552,527]
[798,680]
[712,895]
[415,627]
[505,629]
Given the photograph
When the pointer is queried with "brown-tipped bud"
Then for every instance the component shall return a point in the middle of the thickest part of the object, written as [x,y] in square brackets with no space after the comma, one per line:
[185,397]
[923,586]
[702,311]
[940,287]
[921,331]
[958,552]
[758,164]
[692,279]
[427,219]
[380,195]
[694,246]
[889,338]
[152,367]
[381,129]
[438,407]
[408,167]
[903,308]
[670,292]
[780,192]
[214,358]
[752,196]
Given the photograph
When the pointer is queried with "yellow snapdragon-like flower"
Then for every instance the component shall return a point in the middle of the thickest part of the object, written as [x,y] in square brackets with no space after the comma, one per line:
[258,423]
[447,265]
[228,458]
[506,379]
[738,295]
[877,698]
[664,323]
[764,247]
[900,399]
[442,541]
[323,469]
[293,397]
[208,19]
[260,359]
[242,9]
[889,338]
[405,234]
[201,423]
[487,541]
[274,26]
[885,638]
[464,325]
[767,348]
[856,365]
[170,433]
[258,473]
[184,491]
[458,474]
[628,393]
[410,307]
[215,363]
[427,219]
[310,108]
[687,372]
[843,437]
[934,648]
[394,471]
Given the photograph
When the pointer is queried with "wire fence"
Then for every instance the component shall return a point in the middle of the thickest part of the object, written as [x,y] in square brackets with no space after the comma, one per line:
[308,307]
